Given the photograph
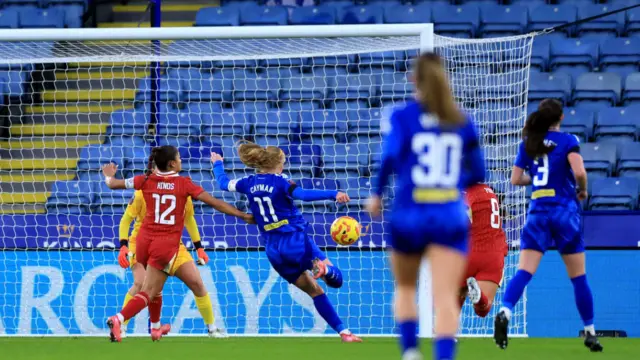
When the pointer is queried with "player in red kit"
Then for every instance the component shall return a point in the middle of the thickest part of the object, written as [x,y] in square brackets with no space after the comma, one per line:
[488,249]
[158,246]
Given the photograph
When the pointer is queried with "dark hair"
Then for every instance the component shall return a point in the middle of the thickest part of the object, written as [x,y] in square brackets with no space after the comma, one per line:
[434,91]
[554,106]
[258,157]
[160,158]
[535,130]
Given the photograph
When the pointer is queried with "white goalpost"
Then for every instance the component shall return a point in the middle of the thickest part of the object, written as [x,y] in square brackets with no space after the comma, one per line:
[78,98]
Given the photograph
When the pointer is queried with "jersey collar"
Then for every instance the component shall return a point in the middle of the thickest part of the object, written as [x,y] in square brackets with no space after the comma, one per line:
[167,174]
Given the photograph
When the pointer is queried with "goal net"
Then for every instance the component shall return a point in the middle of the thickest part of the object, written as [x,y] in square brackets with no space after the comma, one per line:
[70,106]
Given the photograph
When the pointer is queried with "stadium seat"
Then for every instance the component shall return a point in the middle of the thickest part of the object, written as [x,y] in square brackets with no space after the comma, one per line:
[70,197]
[136,158]
[544,85]
[303,88]
[456,20]
[170,90]
[348,104]
[612,23]
[265,15]
[208,87]
[616,124]
[282,68]
[614,194]
[629,164]
[313,15]
[72,14]
[9,19]
[620,55]
[196,154]
[225,123]
[383,59]
[361,14]
[395,86]
[359,190]
[597,90]
[579,122]
[346,160]
[15,81]
[108,201]
[573,56]
[298,105]
[42,18]
[633,22]
[132,122]
[336,4]
[408,14]
[540,53]
[303,159]
[250,106]
[217,16]
[323,123]
[546,16]
[174,122]
[363,122]
[501,20]
[631,94]
[92,157]
[354,87]
[125,141]
[599,158]
[333,60]
[255,89]
[319,184]
[179,142]
[277,124]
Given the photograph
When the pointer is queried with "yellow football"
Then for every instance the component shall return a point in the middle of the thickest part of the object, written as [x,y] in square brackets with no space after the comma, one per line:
[345,230]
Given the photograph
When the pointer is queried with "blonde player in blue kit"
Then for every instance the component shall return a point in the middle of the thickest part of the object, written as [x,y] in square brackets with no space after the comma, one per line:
[553,163]
[290,250]
[425,143]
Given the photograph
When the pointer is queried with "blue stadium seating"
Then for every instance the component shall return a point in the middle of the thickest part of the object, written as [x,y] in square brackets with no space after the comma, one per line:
[9,19]
[276,123]
[72,15]
[125,141]
[136,159]
[500,20]
[361,14]
[70,197]
[572,56]
[345,160]
[217,16]
[313,15]
[354,87]
[170,90]
[546,16]
[14,81]
[631,94]
[92,157]
[207,87]
[612,23]
[224,123]
[408,14]
[109,201]
[303,88]
[579,122]
[298,105]
[614,194]
[42,18]
[632,27]
[620,55]
[597,90]
[132,122]
[599,158]
[255,89]
[629,163]
[323,123]
[174,122]
[544,85]
[265,15]
[616,124]
[456,20]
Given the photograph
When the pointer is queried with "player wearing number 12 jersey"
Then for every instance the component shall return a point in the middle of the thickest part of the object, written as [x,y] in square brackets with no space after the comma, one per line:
[485,264]
[550,161]
[159,245]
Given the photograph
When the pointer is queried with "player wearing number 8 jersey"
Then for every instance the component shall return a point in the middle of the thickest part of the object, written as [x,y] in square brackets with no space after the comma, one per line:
[488,248]
[433,150]
[550,161]
[159,246]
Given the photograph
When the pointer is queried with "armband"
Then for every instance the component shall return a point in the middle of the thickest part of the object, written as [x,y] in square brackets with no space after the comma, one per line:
[108,180]
[197,244]
[124,243]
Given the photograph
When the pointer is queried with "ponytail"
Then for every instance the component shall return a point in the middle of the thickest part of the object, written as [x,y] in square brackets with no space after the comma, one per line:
[151,162]
[536,129]
[258,157]
[434,91]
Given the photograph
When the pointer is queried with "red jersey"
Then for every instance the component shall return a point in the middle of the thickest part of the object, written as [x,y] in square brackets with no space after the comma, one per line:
[165,195]
[486,224]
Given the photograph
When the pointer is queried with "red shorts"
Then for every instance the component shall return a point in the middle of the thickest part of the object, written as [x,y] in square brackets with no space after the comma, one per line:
[485,266]
[158,254]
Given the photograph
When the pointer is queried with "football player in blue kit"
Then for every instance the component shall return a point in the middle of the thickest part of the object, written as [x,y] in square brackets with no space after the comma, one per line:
[432,148]
[549,160]
[290,250]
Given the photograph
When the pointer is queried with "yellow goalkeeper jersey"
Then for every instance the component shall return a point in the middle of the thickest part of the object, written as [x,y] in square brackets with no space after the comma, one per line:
[137,209]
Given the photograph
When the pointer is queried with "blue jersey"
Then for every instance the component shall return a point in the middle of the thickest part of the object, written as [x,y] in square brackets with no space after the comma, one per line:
[432,164]
[552,179]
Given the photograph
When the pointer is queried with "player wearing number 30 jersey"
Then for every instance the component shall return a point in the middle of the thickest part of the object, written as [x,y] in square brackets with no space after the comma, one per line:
[485,264]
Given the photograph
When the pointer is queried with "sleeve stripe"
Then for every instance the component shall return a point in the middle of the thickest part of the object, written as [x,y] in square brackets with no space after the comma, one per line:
[232,185]
[128,183]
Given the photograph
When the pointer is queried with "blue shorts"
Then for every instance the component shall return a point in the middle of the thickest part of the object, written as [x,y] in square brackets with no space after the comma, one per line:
[291,254]
[413,233]
[554,226]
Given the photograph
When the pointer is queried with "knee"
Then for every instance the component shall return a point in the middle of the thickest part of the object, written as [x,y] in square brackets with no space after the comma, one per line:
[136,287]
[197,287]
[314,290]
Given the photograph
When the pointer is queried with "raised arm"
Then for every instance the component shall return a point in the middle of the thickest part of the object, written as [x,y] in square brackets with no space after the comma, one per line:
[223,207]
[109,172]
[218,171]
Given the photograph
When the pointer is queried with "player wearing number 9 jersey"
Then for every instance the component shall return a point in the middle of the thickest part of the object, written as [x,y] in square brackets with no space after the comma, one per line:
[550,161]
[158,246]
[433,150]
[485,265]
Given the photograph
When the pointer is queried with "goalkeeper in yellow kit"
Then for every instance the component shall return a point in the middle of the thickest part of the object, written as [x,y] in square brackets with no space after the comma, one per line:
[127,258]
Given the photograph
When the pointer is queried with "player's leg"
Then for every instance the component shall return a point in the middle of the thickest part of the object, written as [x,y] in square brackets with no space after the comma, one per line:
[138,279]
[488,290]
[405,269]
[486,281]
[190,276]
[324,268]
[447,267]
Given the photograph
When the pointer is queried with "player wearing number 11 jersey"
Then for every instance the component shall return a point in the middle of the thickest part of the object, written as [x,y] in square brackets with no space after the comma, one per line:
[550,161]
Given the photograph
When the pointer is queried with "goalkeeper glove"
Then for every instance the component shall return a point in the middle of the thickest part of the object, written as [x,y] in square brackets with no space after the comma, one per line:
[203,258]
[123,256]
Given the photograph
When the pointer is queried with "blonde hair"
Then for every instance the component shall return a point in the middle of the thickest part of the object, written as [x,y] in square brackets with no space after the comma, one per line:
[434,91]
[258,157]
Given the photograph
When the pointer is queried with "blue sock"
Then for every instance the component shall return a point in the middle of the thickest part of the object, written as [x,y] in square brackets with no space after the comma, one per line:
[584,299]
[333,278]
[515,288]
[444,348]
[328,313]
[408,337]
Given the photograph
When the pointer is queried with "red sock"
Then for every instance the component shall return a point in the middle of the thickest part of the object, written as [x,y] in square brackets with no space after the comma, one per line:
[135,305]
[155,307]
[483,306]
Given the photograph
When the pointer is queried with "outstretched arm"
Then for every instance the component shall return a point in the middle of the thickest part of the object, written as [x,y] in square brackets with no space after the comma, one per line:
[218,172]
[223,207]
[313,195]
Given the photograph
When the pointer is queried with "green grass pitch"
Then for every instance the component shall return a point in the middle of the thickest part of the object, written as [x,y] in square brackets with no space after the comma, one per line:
[178,348]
